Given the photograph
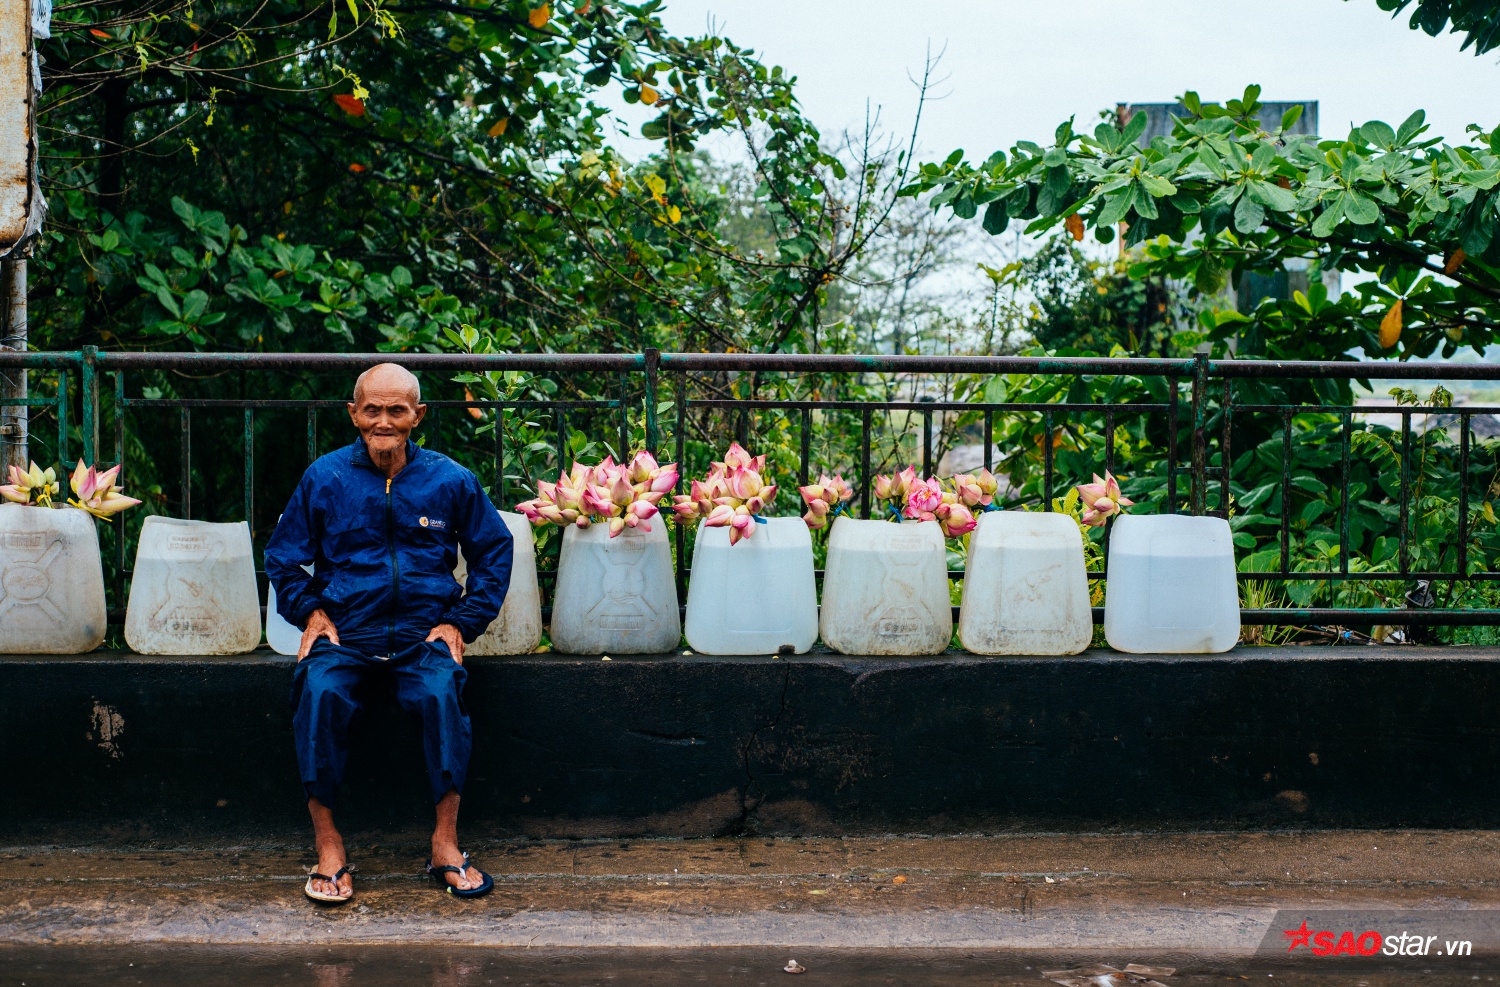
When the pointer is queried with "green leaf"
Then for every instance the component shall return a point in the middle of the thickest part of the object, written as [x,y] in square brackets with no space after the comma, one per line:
[1158,186]
[1144,204]
[1248,214]
[1135,127]
[996,218]
[1329,219]
[1115,207]
[1361,211]
[995,390]
[1291,116]
[1272,196]
[1411,127]
[1380,134]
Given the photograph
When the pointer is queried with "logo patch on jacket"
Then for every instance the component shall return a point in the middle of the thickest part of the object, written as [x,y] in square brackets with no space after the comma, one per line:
[432,522]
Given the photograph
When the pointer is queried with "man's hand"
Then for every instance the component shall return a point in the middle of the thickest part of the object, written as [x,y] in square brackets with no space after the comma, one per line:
[452,637]
[318,625]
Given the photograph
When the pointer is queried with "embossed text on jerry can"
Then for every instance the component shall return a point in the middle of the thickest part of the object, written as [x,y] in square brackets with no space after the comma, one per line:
[615,595]
[885,589]
[1026,591]
[1171,586]
[193,590]
[756,597]
[517,629]
[51,581]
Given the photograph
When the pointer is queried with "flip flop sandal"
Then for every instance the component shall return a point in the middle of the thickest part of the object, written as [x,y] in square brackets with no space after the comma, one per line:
[329,899]
[485,887]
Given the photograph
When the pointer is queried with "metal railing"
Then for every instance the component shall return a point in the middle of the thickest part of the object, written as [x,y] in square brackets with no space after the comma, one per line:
[94,394]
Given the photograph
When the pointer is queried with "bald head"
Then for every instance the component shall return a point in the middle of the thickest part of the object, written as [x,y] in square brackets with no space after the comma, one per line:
[390,377]
[387,405]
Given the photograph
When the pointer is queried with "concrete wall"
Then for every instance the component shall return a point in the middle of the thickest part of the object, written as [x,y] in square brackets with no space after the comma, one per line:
[112,748]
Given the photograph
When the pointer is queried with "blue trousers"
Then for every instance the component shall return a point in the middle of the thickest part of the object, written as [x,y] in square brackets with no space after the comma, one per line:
[333,683]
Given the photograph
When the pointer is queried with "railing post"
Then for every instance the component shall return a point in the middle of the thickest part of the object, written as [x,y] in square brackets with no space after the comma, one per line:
[89,399]
[653,364]
[1200,433]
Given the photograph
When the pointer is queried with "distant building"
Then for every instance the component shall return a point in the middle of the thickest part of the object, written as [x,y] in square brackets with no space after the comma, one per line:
[1253,287]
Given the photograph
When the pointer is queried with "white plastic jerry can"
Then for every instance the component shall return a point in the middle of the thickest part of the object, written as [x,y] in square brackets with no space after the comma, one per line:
[615,595]
[885,588]
[284,638]
[1171,585]
[755,597]
[517,628]
[1026,589]
[51,581]
[193,591]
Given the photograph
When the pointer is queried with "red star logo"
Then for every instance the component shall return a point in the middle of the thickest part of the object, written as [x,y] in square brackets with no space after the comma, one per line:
[1298,936]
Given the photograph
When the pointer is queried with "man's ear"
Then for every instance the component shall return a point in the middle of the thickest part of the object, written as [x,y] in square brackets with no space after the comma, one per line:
[421,413]
[350,406]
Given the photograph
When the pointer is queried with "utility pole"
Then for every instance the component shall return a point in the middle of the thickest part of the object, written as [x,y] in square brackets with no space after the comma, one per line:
[21,204]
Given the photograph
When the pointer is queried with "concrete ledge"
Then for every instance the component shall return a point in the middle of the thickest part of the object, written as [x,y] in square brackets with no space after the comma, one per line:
[119,748]
[1149,896]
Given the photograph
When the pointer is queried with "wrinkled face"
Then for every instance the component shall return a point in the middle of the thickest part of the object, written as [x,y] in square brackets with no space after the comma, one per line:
[385,410]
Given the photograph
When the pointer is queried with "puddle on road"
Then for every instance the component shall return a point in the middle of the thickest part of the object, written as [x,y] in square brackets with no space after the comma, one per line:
[458,965]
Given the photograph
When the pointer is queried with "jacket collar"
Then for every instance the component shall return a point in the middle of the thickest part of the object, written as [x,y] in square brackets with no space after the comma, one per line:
[360,455]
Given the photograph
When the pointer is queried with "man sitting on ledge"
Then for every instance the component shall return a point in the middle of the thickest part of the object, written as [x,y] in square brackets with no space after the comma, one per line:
[379,522]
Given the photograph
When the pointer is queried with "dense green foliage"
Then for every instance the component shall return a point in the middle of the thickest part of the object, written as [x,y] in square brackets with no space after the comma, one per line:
[1477,20]
[295,175]
[1221,198]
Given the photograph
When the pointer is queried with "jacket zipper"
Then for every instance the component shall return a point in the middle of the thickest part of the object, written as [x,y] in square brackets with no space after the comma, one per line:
[390,541]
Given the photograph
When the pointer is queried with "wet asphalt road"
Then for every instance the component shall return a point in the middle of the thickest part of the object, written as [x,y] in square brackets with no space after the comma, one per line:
[463,966]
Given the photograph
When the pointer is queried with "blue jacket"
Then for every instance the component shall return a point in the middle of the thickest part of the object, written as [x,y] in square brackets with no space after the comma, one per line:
[383,551]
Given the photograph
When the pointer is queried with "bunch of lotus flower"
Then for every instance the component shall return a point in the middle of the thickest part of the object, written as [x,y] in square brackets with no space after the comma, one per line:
[98,493]
[35,486]
[622,495]
[951,505]
[732,495]
[1102,500]
[825,500]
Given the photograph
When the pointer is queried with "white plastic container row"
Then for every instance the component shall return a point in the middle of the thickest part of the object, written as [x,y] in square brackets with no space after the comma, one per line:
[1171,589]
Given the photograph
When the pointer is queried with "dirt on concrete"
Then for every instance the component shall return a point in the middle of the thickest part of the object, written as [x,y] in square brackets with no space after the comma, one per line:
[1193,895]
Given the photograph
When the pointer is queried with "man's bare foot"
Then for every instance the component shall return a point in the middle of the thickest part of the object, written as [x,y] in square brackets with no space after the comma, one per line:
[449,855]
[331,857]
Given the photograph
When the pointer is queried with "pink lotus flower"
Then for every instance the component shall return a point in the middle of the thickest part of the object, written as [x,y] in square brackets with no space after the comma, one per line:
[98,493]
[1102,500]
[926,496]
[734,488]
[32,486]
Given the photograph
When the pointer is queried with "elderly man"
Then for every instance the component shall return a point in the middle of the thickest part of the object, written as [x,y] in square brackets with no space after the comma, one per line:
[379,522]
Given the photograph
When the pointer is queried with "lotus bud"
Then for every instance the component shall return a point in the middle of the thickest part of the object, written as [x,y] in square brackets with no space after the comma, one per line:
[988,485]
[883,487]
[666,479]
[959,521]
[755,504]
[815,521]
[966,488]
[1102,500]
[719,517]
[616,525]
[737,456]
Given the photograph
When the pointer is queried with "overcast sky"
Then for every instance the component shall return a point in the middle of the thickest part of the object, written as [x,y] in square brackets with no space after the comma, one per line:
[1016,68]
